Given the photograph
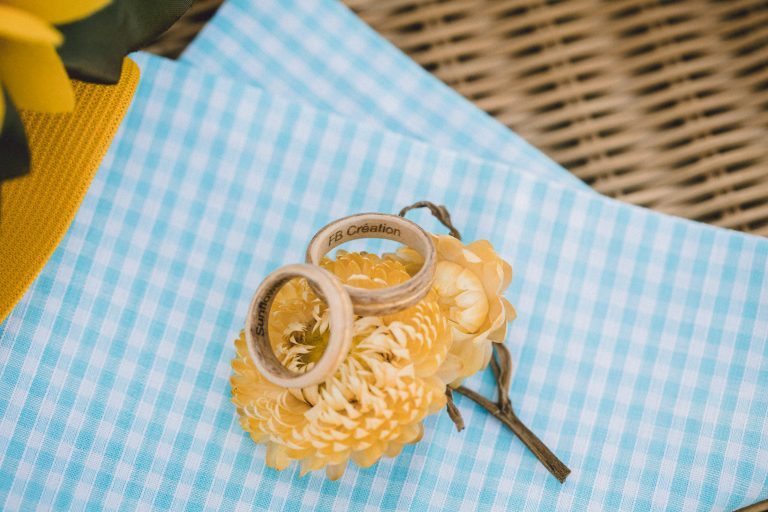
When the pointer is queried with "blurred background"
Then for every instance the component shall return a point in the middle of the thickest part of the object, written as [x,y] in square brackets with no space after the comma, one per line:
[658,103]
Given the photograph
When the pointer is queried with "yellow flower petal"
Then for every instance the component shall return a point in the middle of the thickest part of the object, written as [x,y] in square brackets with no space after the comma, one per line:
[470,281]
[59,11]
[462,297]
[35,77]
[335,471]
[19,25]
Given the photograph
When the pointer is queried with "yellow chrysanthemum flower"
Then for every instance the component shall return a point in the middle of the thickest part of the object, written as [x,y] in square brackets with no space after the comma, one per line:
[377,399]
[470,281]
[30,69]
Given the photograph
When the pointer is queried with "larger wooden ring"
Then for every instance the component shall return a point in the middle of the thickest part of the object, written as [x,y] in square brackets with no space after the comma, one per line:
[380,301]
[330,289]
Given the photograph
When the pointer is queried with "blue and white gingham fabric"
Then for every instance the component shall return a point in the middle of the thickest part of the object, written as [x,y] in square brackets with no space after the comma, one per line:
[640,349]
[321,53]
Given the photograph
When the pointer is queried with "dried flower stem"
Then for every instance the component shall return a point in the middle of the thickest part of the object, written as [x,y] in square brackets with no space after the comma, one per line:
[438,211]
[502,410]
[501,364]
[453,411]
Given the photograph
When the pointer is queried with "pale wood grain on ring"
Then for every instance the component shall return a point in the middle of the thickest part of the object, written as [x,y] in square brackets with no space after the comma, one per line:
[380,301]
[329,288]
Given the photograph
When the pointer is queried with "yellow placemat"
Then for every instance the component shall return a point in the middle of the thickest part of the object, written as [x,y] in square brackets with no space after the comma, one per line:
[66,150]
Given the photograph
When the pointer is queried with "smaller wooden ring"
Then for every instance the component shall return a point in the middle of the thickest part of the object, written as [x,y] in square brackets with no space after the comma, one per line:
[381,301]
[330,289]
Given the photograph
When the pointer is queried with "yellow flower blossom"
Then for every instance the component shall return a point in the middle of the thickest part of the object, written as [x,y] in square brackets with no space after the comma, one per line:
[470,281]
[375,402]
[30,69]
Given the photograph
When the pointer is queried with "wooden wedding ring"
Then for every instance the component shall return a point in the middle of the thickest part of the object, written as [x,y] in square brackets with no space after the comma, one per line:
[382,301]
[330,289]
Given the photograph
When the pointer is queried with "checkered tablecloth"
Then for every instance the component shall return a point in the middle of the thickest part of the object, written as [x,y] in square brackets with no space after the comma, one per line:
[320,53]
[640,349]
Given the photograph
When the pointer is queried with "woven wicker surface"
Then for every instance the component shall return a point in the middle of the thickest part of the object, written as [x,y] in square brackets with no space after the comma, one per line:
[661,104]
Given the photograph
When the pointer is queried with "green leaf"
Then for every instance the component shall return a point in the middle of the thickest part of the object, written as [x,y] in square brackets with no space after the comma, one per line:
[94,47]
[14,151]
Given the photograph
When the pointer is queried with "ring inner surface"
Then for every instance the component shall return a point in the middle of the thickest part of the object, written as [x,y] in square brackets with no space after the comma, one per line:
[259,327]
[365,226]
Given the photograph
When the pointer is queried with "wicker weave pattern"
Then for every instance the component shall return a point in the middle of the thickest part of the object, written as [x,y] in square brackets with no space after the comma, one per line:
[662,104]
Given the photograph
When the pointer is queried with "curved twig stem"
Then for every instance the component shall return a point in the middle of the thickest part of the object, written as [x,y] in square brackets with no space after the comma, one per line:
[501,364]
[438,211]
[453,411]
[503,411]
